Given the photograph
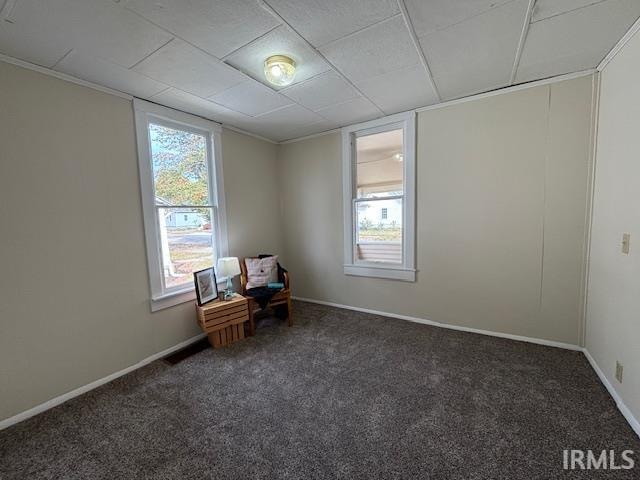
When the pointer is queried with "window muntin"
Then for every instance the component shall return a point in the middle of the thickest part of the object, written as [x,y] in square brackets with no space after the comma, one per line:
[379,197]
[179,159]
[187,244]
[179,162]
[182,198]
[379,173]
[379,159]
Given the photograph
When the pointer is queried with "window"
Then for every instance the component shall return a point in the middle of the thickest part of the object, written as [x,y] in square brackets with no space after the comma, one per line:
[182,199]
[379,198]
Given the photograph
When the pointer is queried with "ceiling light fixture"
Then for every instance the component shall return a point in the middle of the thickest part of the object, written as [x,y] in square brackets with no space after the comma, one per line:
[279,70]
[398,157]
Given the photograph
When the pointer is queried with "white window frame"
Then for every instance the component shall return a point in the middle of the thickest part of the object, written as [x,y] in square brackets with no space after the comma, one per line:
[407,270]
[146,113]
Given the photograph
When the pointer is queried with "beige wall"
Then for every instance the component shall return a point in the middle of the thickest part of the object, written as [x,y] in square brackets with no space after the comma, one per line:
[74,302]
[252,194]
[613,310]
[501,204]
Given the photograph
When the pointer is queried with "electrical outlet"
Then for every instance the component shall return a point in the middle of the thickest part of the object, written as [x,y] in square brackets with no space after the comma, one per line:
[619,369]
[626,237]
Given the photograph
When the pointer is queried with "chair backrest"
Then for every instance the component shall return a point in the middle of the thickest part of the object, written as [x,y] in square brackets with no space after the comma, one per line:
[244,275]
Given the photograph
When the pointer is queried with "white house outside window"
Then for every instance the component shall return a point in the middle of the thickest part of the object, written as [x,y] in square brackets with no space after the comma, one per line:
[379,198]
[182,198]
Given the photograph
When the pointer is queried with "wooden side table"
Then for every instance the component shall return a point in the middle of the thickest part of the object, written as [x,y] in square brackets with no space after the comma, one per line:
[223,320]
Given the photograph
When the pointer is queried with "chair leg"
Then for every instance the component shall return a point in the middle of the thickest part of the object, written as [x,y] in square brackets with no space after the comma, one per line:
[289,311]
[252,324]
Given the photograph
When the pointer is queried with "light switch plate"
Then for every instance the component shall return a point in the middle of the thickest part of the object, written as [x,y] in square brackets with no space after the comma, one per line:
[619,370]
[626,237]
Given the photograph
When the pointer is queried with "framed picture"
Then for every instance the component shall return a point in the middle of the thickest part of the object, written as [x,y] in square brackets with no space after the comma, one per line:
[206,285]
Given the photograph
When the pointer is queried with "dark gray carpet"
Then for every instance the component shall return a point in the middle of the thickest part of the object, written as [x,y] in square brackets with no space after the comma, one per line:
[339,395]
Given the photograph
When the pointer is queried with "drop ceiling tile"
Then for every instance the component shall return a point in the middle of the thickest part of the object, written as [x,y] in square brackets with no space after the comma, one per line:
[352,111]
[40,30]
[22,36]
[289,132]
[575,41]
[476,55]
[250,58]
[251,98]
[111,33]
[283,123]
[185,67]
[427,17]
[186,102]
[321,91]
[549,8]
[303,130]
[377,50]
[400,90]
[102,72]
[321,22]
[248,124]
[217,26]
[291,114]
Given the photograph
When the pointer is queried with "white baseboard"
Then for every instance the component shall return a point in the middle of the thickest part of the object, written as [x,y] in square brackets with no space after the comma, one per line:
[539,341]
[635,425]
[85,388]
[633,421]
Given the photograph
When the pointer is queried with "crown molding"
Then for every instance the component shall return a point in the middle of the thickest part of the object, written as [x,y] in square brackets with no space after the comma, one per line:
[117,93]
[511,89]
[249,134]
[309,137]
[470,98]
[63,76]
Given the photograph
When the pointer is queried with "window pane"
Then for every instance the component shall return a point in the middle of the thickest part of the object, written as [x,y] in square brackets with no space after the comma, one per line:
[379,165]
[187,243]
[379,231]
[179,161]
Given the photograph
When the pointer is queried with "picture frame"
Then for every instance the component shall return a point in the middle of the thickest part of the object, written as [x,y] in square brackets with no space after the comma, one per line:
[206,285]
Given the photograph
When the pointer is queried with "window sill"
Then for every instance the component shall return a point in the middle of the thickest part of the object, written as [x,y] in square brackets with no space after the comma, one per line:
[380,271]
[172,299]
[183,296]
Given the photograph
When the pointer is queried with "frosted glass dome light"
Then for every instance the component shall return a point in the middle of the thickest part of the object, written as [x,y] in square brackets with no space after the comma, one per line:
[279,70]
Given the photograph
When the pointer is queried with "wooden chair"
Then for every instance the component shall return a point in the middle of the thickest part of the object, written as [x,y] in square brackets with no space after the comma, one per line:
[283,297]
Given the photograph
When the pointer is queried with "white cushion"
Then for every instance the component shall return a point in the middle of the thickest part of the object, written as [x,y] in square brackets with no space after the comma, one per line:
[261,271]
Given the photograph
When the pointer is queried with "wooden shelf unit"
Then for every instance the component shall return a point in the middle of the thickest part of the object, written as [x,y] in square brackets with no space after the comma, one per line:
[223,320]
